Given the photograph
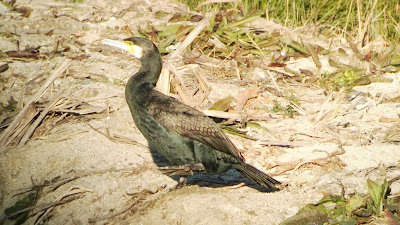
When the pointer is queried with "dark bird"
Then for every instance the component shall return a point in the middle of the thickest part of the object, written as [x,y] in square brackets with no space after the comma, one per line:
[180,133]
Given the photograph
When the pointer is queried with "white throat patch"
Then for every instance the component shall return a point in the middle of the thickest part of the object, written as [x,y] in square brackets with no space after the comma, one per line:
[137,51]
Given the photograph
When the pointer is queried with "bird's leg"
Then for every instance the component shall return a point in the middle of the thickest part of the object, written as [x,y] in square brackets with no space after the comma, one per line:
[182,170]
[182,182]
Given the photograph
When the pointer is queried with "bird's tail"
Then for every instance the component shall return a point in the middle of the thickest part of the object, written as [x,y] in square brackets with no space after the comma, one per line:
[258,176]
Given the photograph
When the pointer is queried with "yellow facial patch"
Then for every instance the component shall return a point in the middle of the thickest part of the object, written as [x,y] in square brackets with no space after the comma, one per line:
[136,50]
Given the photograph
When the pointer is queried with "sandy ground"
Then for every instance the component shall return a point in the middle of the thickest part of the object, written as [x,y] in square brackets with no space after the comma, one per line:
[117,174]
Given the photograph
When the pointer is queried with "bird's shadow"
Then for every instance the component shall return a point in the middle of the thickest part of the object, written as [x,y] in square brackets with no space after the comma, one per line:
[229,178]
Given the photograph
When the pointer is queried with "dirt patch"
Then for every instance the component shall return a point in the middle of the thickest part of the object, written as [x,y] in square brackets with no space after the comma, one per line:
[110,158]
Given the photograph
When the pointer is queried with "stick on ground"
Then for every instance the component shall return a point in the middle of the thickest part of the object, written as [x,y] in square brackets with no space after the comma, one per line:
[11,128]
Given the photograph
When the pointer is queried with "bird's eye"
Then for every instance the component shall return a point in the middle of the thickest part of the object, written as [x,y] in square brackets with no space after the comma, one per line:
[129,42]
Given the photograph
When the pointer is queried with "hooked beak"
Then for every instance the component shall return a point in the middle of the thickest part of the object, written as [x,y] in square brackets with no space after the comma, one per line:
[128,46]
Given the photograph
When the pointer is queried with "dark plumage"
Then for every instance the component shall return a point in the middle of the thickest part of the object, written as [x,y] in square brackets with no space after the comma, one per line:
[182,134]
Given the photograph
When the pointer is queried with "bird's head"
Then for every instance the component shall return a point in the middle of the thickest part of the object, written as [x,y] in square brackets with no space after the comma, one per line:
[136,46]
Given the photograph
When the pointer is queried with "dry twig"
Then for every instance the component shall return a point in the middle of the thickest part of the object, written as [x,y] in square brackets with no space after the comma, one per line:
[236,116]
[71,191]
[117,139]
[178,82]
[18,120]
[42,115]
[139,200]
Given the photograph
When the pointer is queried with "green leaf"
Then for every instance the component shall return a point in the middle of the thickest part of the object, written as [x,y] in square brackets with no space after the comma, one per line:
[307,218]
[378,194]
[354,203]
[21,204]
[331,198]
[381,80]
[311,51]
[235,131]
[245,20]
[162,47]
[256,126]
[389,50]
[395,61]
[165,31]
[3,54]
[296,46]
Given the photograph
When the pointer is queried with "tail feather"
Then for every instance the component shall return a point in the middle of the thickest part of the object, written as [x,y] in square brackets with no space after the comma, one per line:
[257,176]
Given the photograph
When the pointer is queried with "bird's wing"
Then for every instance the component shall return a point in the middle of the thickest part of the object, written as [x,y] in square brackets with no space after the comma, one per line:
[189,123]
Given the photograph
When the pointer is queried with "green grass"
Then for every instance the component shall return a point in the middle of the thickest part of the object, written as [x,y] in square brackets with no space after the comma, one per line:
[360,20]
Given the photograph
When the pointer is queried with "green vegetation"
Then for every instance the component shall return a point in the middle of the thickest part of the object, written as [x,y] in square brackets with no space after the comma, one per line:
[363,20]
[355,209]
[289,109]
[230,36]
[19,212]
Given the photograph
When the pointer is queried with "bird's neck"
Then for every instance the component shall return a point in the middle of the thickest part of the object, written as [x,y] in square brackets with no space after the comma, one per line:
[143,82]
[149,71]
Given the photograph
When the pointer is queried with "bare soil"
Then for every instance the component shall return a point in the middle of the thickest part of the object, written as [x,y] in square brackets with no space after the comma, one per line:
[116,172]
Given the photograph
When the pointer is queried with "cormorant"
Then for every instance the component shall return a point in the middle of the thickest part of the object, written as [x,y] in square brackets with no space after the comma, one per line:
[180,133]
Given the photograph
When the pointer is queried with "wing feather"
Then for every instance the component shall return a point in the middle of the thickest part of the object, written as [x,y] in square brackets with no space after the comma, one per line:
[190,123]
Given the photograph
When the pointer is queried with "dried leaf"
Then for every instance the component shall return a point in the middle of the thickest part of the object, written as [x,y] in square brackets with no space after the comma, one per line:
[23,54]
[390,219]
[363,212]
[127,29]
[175,18]
[342,51]
[277,65]
[183,30]
[223,104]
[245,95]
[307,73]
[368,57]
[25,11]
[196,18]
[49,33]
[385,119]
[81,109]
[362,81]
[393,134]
[3,67]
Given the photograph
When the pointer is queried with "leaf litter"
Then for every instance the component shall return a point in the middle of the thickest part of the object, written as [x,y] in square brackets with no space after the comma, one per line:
[309,98]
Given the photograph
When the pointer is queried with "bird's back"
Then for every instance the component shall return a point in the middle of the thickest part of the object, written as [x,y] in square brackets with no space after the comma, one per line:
[183,134]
